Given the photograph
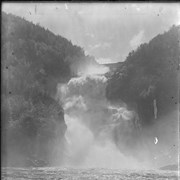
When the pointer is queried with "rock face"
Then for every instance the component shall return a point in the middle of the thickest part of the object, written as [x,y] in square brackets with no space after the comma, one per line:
[148,79]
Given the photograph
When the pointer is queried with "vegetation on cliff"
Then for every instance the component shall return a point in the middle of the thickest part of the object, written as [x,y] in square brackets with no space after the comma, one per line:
[149,75]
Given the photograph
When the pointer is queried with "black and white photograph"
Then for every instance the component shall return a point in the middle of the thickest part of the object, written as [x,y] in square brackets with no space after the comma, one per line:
[90,91]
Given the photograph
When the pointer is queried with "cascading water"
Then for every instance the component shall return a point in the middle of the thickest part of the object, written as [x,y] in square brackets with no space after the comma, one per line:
[155,108]
[96,130]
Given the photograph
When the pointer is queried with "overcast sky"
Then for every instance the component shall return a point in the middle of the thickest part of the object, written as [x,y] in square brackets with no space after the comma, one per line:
[108,31]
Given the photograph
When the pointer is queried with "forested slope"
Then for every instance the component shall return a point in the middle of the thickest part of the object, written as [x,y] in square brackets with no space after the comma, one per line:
[33,61]
[149,77]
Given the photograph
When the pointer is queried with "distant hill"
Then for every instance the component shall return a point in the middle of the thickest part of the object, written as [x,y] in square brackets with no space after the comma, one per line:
[113,66]
[149,75]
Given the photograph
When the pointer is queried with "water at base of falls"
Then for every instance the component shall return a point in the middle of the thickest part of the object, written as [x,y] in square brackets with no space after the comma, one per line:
[92,174]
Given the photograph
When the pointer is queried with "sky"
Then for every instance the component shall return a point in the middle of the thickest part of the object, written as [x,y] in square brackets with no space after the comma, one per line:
[107,31]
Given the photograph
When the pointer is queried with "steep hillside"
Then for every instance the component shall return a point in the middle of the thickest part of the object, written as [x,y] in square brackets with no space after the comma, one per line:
[48,55]
[34,60]
[148,80]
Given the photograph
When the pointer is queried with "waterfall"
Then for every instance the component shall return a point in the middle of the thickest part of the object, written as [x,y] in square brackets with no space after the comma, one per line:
[155,108]
[93,123]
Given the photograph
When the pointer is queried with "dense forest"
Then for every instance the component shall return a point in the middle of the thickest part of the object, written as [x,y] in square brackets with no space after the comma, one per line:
[34,60]
[148,77]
